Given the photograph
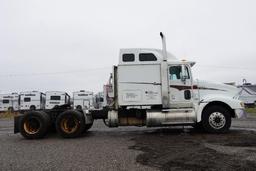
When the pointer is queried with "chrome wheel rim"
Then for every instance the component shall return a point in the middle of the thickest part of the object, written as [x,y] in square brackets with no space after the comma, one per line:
[217,120]
[31,126]
[69,125]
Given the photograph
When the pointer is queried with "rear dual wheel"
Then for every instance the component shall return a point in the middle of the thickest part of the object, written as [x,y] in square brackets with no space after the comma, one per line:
[34,125]
[70,124]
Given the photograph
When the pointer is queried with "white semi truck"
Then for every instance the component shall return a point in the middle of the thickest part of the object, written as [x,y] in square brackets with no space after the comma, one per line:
[148,87]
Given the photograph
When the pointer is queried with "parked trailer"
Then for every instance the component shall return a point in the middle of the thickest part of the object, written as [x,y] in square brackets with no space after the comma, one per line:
[83,100]
[32,100]
[99,100]
[56,98]
[9,102]
[148,87]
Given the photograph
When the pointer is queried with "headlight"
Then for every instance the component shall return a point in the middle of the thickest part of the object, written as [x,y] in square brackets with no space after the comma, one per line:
[242,104]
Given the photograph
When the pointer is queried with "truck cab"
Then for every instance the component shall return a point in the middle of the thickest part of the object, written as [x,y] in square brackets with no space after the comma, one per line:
[161,90]
[140,80]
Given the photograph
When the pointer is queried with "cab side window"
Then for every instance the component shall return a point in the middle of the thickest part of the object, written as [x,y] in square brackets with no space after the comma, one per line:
[147,57]
[129,57]
[175,72]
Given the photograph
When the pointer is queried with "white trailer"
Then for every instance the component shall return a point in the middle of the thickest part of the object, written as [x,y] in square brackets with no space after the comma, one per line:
[56,98]
[32,100]
[99,100]
[9,102]
[148,87]
[83,100]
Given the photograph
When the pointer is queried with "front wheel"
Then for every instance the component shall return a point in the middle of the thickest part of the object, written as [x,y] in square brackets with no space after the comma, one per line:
[216,119]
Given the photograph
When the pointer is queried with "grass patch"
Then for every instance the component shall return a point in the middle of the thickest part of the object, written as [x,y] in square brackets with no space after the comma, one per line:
[251,111]
[8,115]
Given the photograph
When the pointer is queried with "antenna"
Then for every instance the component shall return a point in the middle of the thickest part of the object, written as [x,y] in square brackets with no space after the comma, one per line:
[164,46]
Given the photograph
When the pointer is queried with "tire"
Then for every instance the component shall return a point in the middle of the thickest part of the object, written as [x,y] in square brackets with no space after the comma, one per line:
[198,126]
[34,125]
[87,127]
[79,107]
[70,124]
[216,119]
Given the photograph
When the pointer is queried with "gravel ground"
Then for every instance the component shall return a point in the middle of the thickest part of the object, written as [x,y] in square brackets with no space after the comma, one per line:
[132,148]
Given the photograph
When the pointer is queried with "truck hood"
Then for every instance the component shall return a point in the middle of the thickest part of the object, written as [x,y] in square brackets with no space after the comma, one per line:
[217,88]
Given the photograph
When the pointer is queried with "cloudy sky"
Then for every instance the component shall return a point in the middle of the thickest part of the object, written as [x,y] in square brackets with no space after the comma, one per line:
[72,45]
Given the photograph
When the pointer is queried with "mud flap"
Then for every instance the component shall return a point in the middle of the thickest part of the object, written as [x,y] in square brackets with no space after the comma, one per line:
[17,123]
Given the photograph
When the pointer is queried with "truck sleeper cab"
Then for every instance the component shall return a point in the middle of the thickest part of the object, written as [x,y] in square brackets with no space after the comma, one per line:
[32,100]
[162,92]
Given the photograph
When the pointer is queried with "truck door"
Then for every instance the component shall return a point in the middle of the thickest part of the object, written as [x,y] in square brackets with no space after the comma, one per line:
[180,84]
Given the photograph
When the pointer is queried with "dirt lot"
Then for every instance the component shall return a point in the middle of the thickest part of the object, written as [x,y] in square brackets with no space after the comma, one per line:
[132,148]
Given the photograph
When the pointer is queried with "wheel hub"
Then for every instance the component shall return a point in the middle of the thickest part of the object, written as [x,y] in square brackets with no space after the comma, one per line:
[217,120]
[69,125]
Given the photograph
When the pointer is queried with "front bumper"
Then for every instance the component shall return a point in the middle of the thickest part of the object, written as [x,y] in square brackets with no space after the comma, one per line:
[240,113]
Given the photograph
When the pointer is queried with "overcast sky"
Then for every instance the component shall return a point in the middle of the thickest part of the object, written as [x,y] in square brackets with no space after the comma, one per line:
[72,45]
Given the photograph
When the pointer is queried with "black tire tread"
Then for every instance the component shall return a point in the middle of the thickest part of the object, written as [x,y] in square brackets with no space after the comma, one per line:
[44,120]
[206,115]
[76,114]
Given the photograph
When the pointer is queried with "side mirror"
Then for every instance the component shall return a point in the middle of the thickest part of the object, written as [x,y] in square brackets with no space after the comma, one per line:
[184,75]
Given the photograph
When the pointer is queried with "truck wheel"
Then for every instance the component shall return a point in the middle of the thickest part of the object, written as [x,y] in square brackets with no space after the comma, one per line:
[70,124]
[216,119]
[198,126]
[34,125]
[87,127]
[79,107]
